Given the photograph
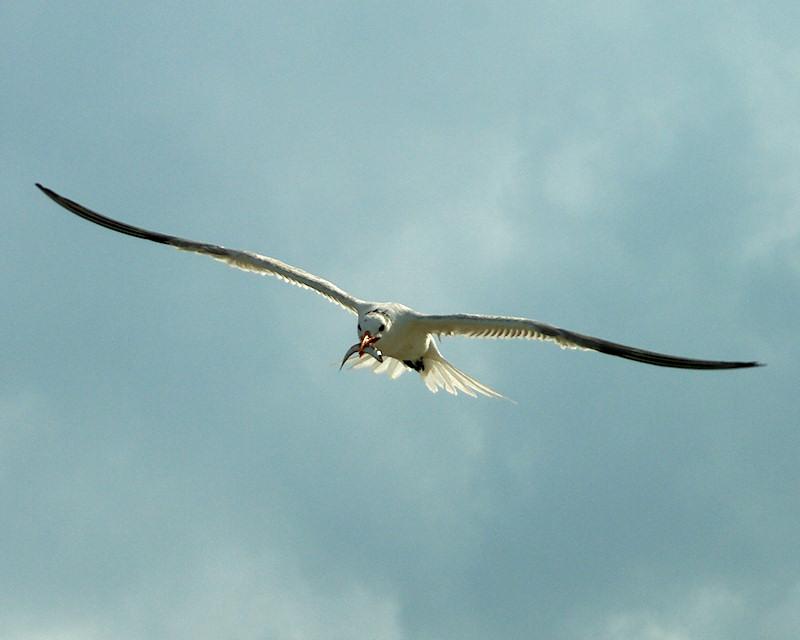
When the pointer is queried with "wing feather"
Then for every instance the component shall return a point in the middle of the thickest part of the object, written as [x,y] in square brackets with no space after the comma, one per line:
[479,326]
[245,260]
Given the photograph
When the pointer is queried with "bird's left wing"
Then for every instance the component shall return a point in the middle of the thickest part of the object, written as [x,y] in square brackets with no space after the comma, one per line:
[478,326]
[244,260]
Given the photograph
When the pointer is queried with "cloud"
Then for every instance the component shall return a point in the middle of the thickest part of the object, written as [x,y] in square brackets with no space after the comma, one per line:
[180,455]
[710,613]
[224,591]
[766,72]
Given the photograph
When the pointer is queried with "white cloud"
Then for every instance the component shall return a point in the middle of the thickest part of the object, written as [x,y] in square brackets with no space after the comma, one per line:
[783,620]
[574,175]
[528,159]
[710,613]
[38,631]
[265,597]
[227,594]
[768,70]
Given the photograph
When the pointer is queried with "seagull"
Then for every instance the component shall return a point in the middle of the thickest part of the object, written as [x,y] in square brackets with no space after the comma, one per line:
[393,338]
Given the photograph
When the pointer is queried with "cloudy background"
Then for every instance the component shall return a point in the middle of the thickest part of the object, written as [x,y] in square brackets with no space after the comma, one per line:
[179,456]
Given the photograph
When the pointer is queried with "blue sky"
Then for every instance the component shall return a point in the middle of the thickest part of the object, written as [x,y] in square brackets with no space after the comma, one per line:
[181,458]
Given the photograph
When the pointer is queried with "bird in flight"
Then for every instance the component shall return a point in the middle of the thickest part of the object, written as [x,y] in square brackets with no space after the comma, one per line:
[392,337]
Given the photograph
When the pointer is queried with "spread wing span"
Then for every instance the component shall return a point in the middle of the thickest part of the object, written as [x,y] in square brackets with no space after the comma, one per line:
[479,326]
[244,260]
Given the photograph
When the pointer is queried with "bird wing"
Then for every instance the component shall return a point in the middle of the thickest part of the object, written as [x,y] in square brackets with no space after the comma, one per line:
[244,260]
[478,326]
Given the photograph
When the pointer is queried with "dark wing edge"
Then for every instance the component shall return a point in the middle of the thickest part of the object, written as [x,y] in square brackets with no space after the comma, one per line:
[244,260]
[477,326]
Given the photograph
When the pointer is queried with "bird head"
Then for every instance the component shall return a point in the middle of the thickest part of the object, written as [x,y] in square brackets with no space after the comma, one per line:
[373,325]
[371,328]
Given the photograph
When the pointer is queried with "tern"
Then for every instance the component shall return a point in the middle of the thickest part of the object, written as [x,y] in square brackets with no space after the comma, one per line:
[393,338]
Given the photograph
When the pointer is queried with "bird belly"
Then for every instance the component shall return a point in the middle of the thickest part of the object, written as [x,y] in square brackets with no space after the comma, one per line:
[404,347]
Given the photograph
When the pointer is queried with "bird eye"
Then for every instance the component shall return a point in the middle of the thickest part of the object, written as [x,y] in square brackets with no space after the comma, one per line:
[382,327]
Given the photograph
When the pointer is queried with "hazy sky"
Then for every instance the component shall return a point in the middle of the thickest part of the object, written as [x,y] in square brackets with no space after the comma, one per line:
[179,455]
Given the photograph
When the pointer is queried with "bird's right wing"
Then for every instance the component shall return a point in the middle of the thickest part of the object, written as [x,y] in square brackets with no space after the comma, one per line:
[478,326]
[244,260]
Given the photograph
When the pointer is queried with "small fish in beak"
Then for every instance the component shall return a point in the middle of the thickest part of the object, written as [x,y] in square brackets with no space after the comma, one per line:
[361,348]
[367,340]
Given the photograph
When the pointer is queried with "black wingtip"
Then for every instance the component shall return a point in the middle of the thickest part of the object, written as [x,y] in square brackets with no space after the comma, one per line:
[748,365]
[44,190]
[51,194]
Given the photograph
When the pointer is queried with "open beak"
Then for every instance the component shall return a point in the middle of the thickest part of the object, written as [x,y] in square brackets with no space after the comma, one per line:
[362,347]
[366,341]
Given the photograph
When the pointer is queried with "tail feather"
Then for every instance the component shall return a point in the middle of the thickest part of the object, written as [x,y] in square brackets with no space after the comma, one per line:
[437,373]
[440,374]
[393,368]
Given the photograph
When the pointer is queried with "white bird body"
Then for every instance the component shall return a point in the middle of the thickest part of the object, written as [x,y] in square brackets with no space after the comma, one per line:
[393,337]
[407,343]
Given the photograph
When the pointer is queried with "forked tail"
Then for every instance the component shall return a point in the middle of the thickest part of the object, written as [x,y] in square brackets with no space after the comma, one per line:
[436,372]
[440,374]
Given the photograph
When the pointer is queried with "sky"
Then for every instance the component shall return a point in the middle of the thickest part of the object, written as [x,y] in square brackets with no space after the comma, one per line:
[180,456]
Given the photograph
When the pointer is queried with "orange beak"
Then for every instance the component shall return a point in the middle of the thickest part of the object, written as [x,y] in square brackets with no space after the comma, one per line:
[362,347]
[366,340]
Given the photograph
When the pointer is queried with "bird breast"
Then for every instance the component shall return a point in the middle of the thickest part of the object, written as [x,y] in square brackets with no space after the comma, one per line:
[404,340]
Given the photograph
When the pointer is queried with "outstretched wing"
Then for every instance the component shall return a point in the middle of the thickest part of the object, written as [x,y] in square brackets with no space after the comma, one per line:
[244,260]
[477,326]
